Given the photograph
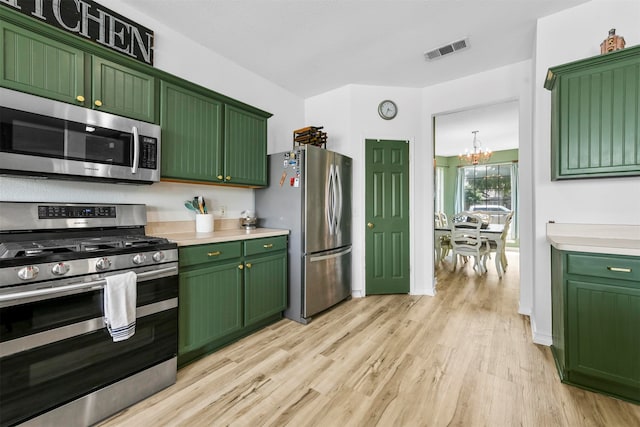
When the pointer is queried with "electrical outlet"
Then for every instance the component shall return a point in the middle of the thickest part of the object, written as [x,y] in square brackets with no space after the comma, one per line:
[223,211]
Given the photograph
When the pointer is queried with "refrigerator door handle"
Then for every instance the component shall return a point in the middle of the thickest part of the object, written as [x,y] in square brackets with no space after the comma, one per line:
[330,200]
[338,191]
[330,256]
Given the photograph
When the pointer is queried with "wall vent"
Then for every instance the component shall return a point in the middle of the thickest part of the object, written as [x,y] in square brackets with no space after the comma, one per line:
[447,49]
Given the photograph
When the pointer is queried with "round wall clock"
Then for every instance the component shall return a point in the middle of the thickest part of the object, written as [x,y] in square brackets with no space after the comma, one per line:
[387,109]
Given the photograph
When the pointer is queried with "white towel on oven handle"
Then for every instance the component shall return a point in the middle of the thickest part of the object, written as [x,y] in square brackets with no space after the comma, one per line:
[120,296]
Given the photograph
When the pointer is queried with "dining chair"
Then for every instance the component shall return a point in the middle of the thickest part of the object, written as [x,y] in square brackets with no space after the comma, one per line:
[445,241]
[503,237]
[466,241]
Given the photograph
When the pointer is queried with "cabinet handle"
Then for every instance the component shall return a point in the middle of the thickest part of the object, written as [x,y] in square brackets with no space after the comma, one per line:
[80,98]
[98,103]
[220,177]
[619,269]
[248,265]
[268,246]
[216,253]
[240,267]
[228,178]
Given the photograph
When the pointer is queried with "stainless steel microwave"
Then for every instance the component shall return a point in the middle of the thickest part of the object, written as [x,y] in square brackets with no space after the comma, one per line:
[46,138]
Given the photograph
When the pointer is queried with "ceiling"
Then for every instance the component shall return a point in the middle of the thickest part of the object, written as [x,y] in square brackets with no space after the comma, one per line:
[312,46]
[497,127]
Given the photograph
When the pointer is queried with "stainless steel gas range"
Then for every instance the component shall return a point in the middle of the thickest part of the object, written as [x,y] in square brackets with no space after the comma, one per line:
[59,365]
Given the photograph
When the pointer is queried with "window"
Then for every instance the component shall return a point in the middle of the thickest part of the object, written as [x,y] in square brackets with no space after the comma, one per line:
[490,189]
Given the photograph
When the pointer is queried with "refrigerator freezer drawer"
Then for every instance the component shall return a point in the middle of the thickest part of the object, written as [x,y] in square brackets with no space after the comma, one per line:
[327,280]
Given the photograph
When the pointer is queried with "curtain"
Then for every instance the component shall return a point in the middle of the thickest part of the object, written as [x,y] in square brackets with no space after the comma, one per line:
[459,194]
[439,193]
[515,202]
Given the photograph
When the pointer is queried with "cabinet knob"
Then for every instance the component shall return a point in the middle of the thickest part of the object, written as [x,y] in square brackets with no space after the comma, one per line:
[228,178]
[268,246]
[240,267]
[98,103]
[80,98]
[370,225]
[220,177]
[216,253]
[248,265]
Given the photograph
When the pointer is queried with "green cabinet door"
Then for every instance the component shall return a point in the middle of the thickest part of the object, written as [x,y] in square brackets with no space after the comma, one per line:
[245,147]
[41,66]
[265,285]
[210,305]
[595,124]
[191,135]
[604,342]
[123,91]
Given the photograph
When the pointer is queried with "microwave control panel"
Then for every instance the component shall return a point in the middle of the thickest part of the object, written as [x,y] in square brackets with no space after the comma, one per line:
[148,153]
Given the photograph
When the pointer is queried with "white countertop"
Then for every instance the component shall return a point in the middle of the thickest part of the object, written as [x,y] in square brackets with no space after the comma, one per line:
[184,232]
[595,238]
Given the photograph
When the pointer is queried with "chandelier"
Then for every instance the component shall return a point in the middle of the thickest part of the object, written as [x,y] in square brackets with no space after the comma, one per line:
[478,155]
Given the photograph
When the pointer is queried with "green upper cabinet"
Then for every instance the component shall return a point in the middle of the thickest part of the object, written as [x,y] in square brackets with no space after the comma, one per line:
[123,91]
[39,65]
[191,134]
[210,139]
[245,156]
[595,123]
[46,67]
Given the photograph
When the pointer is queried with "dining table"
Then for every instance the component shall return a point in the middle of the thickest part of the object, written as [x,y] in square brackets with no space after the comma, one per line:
[493,232]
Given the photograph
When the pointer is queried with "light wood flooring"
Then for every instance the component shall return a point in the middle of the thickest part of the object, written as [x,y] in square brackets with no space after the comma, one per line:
[462,358]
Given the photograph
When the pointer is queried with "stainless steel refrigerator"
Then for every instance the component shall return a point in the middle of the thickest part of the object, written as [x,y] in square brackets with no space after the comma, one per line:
[309,193]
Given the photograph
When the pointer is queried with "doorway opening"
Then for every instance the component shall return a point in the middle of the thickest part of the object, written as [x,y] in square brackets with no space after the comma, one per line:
[487,187]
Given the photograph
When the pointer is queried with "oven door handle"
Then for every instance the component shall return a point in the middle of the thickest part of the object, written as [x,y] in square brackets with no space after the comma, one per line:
[96,284]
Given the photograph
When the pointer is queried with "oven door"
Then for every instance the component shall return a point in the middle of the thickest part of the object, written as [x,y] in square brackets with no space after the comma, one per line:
[56,349]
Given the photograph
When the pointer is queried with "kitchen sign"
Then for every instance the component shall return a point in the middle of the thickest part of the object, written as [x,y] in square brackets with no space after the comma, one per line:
[92,21]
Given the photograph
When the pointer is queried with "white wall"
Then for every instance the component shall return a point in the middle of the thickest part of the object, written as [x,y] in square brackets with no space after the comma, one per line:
[564,37]
[176,54]
[349,116]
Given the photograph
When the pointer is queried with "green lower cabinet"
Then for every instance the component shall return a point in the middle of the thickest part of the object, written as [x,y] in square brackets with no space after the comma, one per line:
[210,305]
[229,290]
[264,287]
[596,313]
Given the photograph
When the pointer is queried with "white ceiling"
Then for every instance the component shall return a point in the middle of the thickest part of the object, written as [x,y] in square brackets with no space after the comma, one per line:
[497,127]
[312,46]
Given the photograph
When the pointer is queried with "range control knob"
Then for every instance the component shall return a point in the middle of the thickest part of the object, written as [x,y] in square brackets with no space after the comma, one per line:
[29,272]
[103,264]
[158,256]
[60,269]
[139,259]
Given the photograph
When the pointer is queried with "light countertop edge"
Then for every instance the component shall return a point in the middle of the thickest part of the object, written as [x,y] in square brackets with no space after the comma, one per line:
[191,238]
[601,239]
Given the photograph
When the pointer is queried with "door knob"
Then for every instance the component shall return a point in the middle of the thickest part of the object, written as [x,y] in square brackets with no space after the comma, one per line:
[370,225]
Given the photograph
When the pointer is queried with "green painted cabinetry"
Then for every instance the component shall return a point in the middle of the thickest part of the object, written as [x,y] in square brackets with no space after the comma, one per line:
[40,65]
[227,291]
[245,148]
[191,134]
[49,67]
[265,292]
[207,139]
[123,91]
[595,120]
[596,313]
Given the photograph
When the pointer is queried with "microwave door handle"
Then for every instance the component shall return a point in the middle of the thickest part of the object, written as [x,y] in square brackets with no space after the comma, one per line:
[136,149]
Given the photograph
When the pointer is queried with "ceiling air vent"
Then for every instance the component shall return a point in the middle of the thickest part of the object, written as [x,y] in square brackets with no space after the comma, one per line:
[447,49]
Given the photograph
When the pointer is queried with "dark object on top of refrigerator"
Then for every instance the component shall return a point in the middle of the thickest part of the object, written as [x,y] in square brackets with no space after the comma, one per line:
[310,194]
